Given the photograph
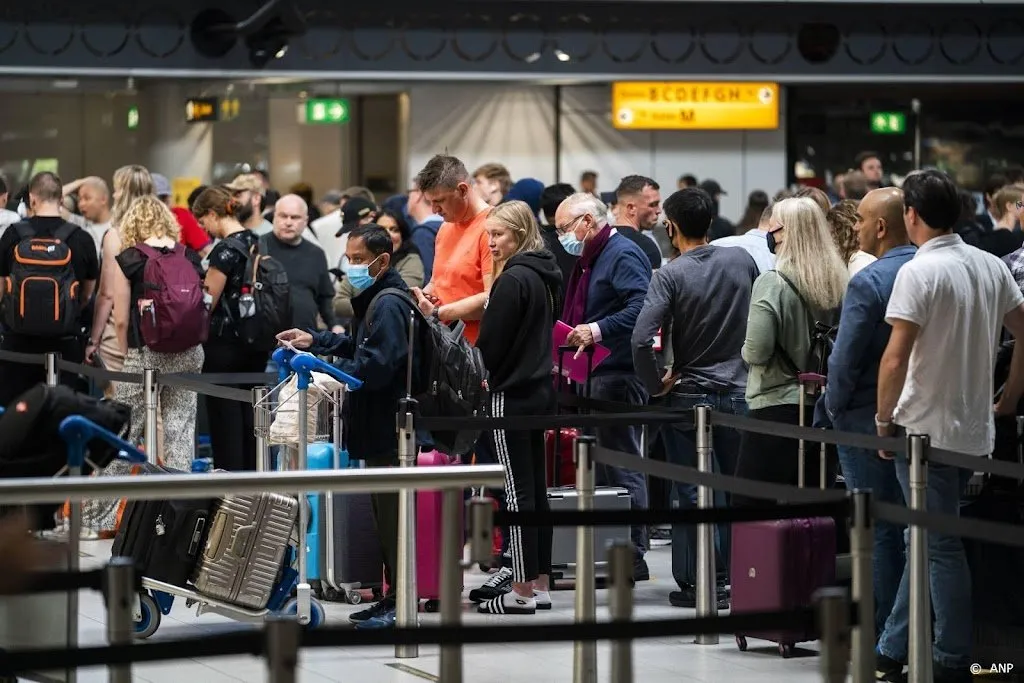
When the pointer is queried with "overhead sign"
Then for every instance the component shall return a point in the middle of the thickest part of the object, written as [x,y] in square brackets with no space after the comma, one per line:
[888,123]
[229,108]
[327,111]
[669,105]
[201,109]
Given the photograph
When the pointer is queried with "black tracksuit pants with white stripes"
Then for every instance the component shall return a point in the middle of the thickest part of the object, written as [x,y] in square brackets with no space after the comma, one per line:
[522,454]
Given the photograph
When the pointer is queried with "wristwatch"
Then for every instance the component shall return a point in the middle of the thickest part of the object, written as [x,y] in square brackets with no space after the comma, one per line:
[880,424]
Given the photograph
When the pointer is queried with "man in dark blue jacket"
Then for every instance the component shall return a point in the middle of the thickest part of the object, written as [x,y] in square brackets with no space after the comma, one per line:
[851,397]
[378,355]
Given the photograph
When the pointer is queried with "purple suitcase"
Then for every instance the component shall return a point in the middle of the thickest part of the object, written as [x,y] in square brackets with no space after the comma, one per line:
[778,565]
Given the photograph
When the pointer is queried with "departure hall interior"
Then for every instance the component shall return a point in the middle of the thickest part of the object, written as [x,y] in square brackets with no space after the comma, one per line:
[540,341]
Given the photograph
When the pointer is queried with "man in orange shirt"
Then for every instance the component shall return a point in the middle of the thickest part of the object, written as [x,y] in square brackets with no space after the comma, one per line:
[462,258]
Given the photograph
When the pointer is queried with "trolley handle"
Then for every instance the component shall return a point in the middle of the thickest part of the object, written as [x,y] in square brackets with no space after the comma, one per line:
[306,363]
[77,431]
[282,356]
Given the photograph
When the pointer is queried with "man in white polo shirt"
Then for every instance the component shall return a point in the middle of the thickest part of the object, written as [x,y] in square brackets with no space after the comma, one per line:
[947,310]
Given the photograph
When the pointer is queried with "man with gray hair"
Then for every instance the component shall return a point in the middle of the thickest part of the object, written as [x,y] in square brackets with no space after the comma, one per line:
[602,301]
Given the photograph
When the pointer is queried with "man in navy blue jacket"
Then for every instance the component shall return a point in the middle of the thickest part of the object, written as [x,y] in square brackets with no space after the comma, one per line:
[603,299]
[377,354]
[851,397]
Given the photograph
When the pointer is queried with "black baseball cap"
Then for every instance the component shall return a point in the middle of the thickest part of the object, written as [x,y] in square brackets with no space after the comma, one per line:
[355,210]
[712,187]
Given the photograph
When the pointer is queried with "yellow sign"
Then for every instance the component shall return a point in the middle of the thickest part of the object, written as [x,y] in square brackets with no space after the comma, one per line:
[667,105]
[200,109]
[181,188]
[229,109]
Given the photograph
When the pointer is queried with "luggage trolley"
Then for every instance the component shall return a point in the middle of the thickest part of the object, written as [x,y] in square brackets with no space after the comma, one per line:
[325,410]
[157,597]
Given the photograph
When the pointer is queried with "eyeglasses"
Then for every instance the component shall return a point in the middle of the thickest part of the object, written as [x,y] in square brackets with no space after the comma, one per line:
[562,229]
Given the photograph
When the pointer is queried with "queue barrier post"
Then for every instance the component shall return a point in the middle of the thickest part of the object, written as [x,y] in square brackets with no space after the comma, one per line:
[920,646]
[150,391]
[862,548]
[406,596]
[707,593]
[584,666]
[51,362]
[621,608]
[261,418]
[833,607]
[120,596]
[451,581]
[76,463]
[282,647]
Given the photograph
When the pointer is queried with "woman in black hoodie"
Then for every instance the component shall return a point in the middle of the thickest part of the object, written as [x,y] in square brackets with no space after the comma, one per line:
[515,341]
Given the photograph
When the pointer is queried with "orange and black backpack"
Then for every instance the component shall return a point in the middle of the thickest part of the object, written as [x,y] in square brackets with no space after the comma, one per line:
[41,293]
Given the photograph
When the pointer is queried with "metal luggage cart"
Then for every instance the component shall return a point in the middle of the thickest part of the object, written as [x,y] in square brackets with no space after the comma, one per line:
[158,597]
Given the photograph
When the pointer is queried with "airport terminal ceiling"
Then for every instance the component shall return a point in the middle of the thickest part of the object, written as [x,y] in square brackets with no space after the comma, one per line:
[567,41]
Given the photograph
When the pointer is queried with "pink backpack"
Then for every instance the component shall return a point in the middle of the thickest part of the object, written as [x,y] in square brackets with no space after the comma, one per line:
[172,313]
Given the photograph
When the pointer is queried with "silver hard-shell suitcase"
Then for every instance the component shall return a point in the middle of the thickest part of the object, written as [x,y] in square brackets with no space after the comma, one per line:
[563,546]
[245,549]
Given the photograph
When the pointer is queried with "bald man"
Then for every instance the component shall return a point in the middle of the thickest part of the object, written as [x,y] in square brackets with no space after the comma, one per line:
[851,397]
[312,292]
[93,207]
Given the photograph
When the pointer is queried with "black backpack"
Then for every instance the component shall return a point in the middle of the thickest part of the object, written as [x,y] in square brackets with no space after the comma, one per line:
[41,297]
[452,381]
[267,281]
[823,337]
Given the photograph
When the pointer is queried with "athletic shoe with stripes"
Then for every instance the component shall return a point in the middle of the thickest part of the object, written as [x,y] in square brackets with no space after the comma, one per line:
[499,584]
[509,603]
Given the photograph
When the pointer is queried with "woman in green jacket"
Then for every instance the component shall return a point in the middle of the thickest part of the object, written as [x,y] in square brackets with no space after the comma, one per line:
[807,285]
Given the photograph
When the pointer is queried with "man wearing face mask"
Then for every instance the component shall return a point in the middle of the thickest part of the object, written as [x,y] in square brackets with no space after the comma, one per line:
[603,298]
[377,354]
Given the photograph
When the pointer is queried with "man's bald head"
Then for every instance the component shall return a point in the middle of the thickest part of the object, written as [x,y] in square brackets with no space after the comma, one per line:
[290,215]
[880,226]
[94,200]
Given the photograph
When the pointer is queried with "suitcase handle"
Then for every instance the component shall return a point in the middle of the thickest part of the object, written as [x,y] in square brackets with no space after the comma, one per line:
[215,542]
[240,540]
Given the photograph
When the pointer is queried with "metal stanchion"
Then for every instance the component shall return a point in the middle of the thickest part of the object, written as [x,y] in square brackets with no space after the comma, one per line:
[621,607]
[481,529]
[149,397]
[707,592]
[584,668]
[282,647]
[120,593]
[833,606]
[920,646]
[76,461]
[52,371]
[261,418]
[862,548]
[451,581]
[406,598]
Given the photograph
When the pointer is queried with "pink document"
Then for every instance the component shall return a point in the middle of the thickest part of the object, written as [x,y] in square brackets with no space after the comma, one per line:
[574,368]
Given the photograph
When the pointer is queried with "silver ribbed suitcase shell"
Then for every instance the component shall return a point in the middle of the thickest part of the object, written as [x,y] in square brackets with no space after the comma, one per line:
[245,548]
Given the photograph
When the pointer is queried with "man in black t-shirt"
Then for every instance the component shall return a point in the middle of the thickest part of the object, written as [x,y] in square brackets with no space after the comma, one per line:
[45,194]
[639,205]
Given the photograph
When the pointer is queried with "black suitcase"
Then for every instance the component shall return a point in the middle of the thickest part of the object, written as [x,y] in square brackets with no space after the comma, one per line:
[164,537]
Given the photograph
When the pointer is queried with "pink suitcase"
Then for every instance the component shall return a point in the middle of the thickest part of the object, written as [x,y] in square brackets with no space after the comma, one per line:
[778,565]
[428,535]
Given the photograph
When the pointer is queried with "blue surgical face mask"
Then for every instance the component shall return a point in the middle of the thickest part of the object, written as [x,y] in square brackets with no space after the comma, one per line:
[360,276]
[569,242]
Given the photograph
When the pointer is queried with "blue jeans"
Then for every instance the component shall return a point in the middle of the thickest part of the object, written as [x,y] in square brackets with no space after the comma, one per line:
[624,388]
[681,449]
[863,469]
[948,574]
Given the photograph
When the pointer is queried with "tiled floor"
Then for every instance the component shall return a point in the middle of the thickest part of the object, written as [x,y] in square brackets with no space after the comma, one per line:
[655,661]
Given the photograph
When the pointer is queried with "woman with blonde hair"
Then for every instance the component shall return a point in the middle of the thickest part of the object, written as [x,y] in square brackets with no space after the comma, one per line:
[515,342]
[806,287]
[841,219]
[147,228]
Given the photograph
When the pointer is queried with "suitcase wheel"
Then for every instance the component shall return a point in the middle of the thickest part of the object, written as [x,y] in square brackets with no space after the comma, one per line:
[432,606]
[317,616]
[741,643]
[786,650]
[149,621]
[354,597]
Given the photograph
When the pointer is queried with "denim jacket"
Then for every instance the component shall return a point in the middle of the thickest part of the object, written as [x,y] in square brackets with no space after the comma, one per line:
[863,335]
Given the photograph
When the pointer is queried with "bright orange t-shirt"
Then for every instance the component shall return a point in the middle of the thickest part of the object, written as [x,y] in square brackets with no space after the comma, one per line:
[461,259]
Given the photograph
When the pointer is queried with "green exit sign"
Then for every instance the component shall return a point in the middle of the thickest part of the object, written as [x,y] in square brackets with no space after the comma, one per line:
[327,111]
[888,123]
[133,117]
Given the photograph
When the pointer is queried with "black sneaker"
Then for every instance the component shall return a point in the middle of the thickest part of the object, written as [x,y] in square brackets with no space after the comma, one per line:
[641,572]
[888,669]
[494,587]
[373,611]
[687,597]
